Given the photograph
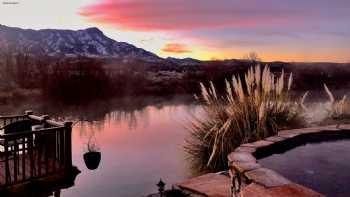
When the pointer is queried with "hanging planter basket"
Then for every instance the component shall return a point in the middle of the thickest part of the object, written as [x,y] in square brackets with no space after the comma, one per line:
[92,160]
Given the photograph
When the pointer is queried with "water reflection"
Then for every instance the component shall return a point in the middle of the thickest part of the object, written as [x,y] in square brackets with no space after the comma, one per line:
[92,157]
[44,188]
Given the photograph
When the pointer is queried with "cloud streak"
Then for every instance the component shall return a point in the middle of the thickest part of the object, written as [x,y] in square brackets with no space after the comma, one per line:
[161,15]
[167,15]
[176,48]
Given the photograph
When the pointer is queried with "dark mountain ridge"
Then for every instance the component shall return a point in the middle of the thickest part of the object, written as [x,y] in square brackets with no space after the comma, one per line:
[90,42]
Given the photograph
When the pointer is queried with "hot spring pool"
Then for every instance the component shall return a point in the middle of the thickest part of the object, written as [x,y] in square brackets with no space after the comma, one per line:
[322,166]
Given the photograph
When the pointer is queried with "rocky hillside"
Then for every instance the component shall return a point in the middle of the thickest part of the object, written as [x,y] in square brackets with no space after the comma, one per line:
[89,42]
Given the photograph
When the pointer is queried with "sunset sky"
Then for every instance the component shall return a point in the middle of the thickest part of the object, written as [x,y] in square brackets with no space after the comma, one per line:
[298,30]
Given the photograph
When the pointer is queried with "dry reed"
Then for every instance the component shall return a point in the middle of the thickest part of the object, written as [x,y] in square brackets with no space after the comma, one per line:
[250,109]
[337,109]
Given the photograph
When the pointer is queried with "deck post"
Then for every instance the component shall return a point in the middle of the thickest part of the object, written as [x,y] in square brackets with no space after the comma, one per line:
[7,165]
[44,119]
[68,144]
[28,112]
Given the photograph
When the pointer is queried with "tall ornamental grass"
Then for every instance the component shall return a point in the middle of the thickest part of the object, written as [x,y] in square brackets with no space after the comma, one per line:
[337,109]
[252,108]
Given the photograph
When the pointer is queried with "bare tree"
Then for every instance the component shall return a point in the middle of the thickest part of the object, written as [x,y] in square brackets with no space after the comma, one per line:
[252,57]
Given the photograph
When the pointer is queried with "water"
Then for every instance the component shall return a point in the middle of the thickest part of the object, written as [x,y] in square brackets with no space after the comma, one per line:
[139,144]
[323,167]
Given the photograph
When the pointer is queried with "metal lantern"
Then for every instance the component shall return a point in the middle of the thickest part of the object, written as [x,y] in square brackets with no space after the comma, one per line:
[161,187]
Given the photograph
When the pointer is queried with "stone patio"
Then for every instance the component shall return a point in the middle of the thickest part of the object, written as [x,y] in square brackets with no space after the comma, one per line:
[288,190]
[209,185]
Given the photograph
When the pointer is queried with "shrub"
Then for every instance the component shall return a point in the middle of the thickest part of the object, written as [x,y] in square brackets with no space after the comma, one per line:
[249,110]
[337,109]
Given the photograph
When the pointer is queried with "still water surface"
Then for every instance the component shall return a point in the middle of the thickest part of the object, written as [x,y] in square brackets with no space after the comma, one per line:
[139,145]
[323,166]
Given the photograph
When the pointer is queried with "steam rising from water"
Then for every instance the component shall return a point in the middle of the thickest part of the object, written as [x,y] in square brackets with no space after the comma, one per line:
[316,112]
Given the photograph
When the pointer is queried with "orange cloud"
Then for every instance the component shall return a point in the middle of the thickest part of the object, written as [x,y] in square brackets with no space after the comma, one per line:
[176,48]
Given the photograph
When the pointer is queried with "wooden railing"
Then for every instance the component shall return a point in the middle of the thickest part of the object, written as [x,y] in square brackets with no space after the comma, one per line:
[6,120]
[27,155]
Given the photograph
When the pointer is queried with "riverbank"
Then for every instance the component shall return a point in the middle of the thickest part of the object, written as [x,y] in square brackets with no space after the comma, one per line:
[8,95]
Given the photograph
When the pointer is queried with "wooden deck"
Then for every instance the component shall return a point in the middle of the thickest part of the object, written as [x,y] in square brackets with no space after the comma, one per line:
[31,155]
[34,166]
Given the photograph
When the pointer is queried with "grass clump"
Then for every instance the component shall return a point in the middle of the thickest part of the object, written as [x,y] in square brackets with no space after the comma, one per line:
[337,109]
[250,109]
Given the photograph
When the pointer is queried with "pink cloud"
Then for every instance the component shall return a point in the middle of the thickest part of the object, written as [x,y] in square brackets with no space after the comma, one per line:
[237,25]
[176,48]
[168,15]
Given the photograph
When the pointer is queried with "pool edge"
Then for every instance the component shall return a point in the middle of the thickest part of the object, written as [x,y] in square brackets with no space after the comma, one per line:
[262,181]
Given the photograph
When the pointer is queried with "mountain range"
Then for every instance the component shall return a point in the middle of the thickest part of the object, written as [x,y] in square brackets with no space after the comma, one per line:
[90,42]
